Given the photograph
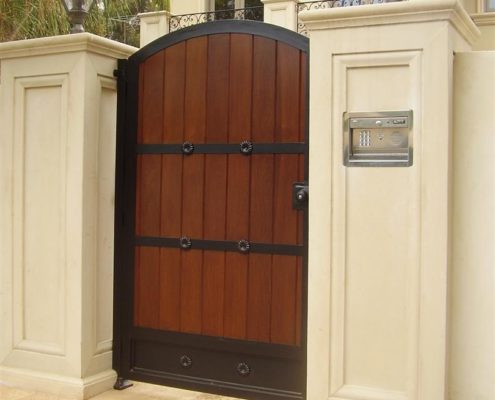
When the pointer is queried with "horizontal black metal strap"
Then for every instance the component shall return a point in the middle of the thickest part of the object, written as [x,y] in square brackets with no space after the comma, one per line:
[223,148]
[221,344]
[220,245]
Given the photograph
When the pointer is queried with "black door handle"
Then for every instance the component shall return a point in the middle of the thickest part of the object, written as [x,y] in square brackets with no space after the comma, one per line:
[300,195]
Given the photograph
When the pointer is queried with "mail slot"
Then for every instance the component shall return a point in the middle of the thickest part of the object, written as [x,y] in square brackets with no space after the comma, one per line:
[380,139]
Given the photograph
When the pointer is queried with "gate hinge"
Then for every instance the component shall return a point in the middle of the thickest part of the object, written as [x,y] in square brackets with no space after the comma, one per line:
[120,72]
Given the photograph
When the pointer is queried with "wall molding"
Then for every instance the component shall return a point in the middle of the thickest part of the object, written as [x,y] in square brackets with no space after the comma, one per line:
[403,12]
[21,316]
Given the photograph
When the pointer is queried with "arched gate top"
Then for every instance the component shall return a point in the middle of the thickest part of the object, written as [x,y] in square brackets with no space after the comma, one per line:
[226,26]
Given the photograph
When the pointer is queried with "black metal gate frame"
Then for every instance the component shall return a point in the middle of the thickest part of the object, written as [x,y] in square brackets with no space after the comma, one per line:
[125,239]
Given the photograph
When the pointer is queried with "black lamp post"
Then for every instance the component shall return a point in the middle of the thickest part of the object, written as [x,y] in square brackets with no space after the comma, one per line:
[77,11]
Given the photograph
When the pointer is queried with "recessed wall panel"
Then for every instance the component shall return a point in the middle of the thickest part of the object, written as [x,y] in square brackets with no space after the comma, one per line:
[376,262]
[41,188]
[104,240]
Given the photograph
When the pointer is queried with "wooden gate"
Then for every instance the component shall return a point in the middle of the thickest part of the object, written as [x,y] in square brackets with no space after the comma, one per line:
[211,232]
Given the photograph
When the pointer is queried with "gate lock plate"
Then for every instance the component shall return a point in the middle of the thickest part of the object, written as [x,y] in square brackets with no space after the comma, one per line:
[300,195]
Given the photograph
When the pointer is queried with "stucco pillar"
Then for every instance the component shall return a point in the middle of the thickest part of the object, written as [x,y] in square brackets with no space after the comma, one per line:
[380,237]
[181,7]
[152,26]
[57,150]
[281,12]
[472,344]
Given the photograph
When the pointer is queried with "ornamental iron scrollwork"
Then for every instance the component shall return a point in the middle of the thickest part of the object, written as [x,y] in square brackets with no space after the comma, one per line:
[183,21]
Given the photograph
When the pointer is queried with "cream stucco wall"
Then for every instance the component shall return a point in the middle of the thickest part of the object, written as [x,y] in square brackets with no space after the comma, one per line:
[472,347]
[486,24]
[179,7]
[281,12]
[152,26]
[380,238]
[57,150]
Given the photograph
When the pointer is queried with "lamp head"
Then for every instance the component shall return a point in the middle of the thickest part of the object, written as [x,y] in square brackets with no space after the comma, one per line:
[77,11]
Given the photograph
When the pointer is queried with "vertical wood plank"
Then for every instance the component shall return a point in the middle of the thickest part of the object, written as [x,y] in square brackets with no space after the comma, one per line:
[261,196]
[170,259]
[300,213]
[147,268]
[152,110]
[287,129]
[264,89]
[139,136]
[260,296]
[137,288]
[284,268]
[236,274]
[174,82]
[241,75]
[302,137]
[264,78]
[287,108]
[299,300]
[284,216]
[193,183]
[170,280]
[214,262]
[195,89]
[171,199]
[148,195]
[303,97]
[213,293]
[283,313]
[147,287]
[217,95]
[171,193]
[215,183]
[303,115]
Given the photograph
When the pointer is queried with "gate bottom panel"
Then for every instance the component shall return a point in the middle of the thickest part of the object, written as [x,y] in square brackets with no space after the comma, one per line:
[246,375]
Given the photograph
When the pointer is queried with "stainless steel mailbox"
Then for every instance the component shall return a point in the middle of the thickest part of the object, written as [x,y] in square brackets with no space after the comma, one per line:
[380,139]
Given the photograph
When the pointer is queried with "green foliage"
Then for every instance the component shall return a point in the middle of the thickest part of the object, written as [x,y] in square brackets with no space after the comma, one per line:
[114,19]
[27,19]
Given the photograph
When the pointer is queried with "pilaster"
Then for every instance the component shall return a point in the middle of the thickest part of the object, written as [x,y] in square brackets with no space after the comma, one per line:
[152,26]
[281,12]
[58,110]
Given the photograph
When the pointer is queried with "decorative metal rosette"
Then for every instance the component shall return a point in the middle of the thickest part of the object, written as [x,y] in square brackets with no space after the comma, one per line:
[243,369]
[187,148]
[244,246]
[185,243]
[246,147]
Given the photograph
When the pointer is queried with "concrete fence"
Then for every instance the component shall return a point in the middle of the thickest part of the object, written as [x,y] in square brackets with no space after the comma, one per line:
[401,260]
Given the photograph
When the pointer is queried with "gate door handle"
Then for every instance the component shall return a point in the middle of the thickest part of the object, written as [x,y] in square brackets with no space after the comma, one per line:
[300,195]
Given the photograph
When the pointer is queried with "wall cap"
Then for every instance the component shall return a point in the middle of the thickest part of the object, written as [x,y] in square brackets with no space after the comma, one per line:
[266,2]
[65,44]
[153,14]
[403,12]
[483,19]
